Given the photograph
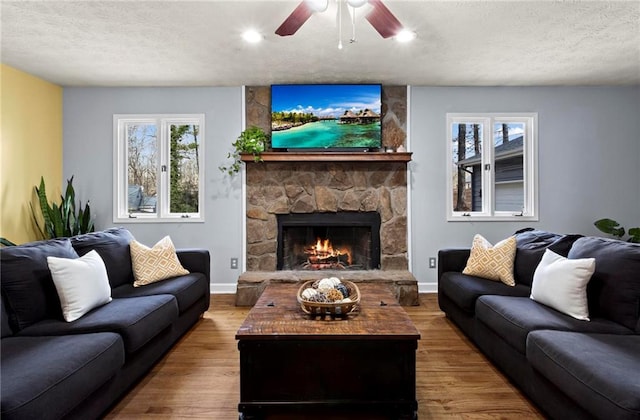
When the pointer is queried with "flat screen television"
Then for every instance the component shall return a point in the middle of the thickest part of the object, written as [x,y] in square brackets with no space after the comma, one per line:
[326,117]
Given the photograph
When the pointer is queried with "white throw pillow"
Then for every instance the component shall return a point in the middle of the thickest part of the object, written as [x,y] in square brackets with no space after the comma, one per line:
[561,283]
[82,284]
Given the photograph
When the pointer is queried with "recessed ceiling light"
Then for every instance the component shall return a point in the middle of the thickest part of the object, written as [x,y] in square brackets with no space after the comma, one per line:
[252,36]
[318,5]
[405,35]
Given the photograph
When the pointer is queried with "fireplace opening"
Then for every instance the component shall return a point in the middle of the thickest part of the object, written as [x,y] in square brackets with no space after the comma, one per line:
[328,241]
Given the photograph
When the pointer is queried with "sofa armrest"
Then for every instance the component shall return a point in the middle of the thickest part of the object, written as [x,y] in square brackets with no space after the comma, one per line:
[195,260]
[452,259]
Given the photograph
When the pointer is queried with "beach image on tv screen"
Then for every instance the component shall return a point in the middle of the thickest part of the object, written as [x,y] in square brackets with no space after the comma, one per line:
[325,116]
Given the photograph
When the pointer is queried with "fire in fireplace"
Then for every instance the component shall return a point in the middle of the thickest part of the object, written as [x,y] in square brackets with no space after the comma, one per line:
[329,241]
[322,255]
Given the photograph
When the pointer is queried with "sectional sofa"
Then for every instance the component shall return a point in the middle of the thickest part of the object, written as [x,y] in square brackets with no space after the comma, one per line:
[571,368]
[54,369]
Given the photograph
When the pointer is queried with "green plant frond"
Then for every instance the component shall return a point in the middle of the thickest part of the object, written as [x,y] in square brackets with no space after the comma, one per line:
[44,203]
[6,242]
[610,226]
[58,224]
[62,220]
[634,235]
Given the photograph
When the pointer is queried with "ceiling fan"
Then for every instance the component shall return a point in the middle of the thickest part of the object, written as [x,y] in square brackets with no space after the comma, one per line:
[380,17]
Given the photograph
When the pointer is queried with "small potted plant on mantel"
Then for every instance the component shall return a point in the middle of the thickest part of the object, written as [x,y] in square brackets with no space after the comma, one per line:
[253,140]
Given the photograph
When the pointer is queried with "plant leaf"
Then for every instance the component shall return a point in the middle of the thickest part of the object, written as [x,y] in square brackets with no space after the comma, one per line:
[6,242]
[634,235]
[45,209]
[609,226]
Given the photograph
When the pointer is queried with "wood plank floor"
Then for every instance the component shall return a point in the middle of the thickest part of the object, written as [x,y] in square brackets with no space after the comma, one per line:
[199,377]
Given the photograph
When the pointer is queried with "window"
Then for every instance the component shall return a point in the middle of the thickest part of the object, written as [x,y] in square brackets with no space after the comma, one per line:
[491,174]
[159,172]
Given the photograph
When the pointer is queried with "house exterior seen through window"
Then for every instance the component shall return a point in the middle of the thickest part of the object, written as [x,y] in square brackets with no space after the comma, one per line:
[492,166]
[159,170]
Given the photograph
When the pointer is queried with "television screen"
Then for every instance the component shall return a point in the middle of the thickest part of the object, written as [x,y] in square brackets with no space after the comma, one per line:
[331,116]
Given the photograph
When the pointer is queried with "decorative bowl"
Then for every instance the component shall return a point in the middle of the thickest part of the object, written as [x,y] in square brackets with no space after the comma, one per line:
[330,308]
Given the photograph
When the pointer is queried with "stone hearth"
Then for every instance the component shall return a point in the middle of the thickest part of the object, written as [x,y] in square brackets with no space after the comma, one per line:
[402,282]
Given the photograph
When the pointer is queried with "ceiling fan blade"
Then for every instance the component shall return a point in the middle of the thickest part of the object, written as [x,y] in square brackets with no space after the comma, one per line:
[383,20]
[295,20]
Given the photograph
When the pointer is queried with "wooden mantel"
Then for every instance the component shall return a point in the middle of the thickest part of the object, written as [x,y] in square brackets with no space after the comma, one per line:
[330,157]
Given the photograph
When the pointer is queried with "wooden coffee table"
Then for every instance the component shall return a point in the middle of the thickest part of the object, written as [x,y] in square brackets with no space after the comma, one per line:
[292,364]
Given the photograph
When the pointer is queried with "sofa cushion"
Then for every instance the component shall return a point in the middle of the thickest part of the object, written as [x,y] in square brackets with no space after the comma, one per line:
[512,318]
[530,247]
[27,286]
[113,247]
[82,284]
[561,283]
[186,289]
[155,264]
[614,289]
[136,319]
[494,262]
[600,371]
[464,290]
[46,377]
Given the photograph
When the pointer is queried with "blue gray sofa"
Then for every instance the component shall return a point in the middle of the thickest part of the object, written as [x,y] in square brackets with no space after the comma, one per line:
[571,369]
[53,369]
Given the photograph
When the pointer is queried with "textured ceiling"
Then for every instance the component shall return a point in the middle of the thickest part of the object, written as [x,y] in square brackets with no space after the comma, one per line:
[197,43]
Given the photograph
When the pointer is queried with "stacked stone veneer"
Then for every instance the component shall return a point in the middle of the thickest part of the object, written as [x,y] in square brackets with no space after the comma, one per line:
[307,187]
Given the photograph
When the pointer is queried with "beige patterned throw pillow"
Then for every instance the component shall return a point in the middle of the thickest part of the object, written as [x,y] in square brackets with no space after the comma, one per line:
[492,262]
[154,264]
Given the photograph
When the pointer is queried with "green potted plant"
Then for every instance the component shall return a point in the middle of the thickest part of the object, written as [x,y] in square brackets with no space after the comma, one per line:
[613,228]
[62,220]
[253,140]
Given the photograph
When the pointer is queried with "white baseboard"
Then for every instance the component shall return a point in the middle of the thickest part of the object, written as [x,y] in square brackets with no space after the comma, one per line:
[223,288]
[427,287]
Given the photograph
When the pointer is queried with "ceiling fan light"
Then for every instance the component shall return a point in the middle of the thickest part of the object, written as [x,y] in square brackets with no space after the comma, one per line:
[405,35]
[318,5]
[357,3]
[252,36]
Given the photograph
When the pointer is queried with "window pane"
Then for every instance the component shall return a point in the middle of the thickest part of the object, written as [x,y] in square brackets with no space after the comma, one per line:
[142,169]
[508,140]
[185,168]
[466,143]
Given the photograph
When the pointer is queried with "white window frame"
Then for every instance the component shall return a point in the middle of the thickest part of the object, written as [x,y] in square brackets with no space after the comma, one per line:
[530,170]
[120,185]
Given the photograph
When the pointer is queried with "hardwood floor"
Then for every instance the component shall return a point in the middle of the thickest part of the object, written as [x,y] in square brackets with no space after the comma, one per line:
[199,377]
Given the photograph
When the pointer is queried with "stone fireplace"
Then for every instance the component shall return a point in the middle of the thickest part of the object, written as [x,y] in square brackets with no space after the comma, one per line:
[302,188]
[287,190]
[275,188]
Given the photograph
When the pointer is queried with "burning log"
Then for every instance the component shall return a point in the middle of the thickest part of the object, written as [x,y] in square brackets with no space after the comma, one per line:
[322,255]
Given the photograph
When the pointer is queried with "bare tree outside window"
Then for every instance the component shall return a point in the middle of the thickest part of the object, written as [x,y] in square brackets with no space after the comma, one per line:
[142,154]
[467,148]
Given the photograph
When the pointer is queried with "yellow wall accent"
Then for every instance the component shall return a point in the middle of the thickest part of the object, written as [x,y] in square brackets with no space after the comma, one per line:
[31,146]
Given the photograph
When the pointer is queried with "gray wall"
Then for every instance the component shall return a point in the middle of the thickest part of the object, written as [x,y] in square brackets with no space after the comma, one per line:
[88,154]
[589,162]
[588,151]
